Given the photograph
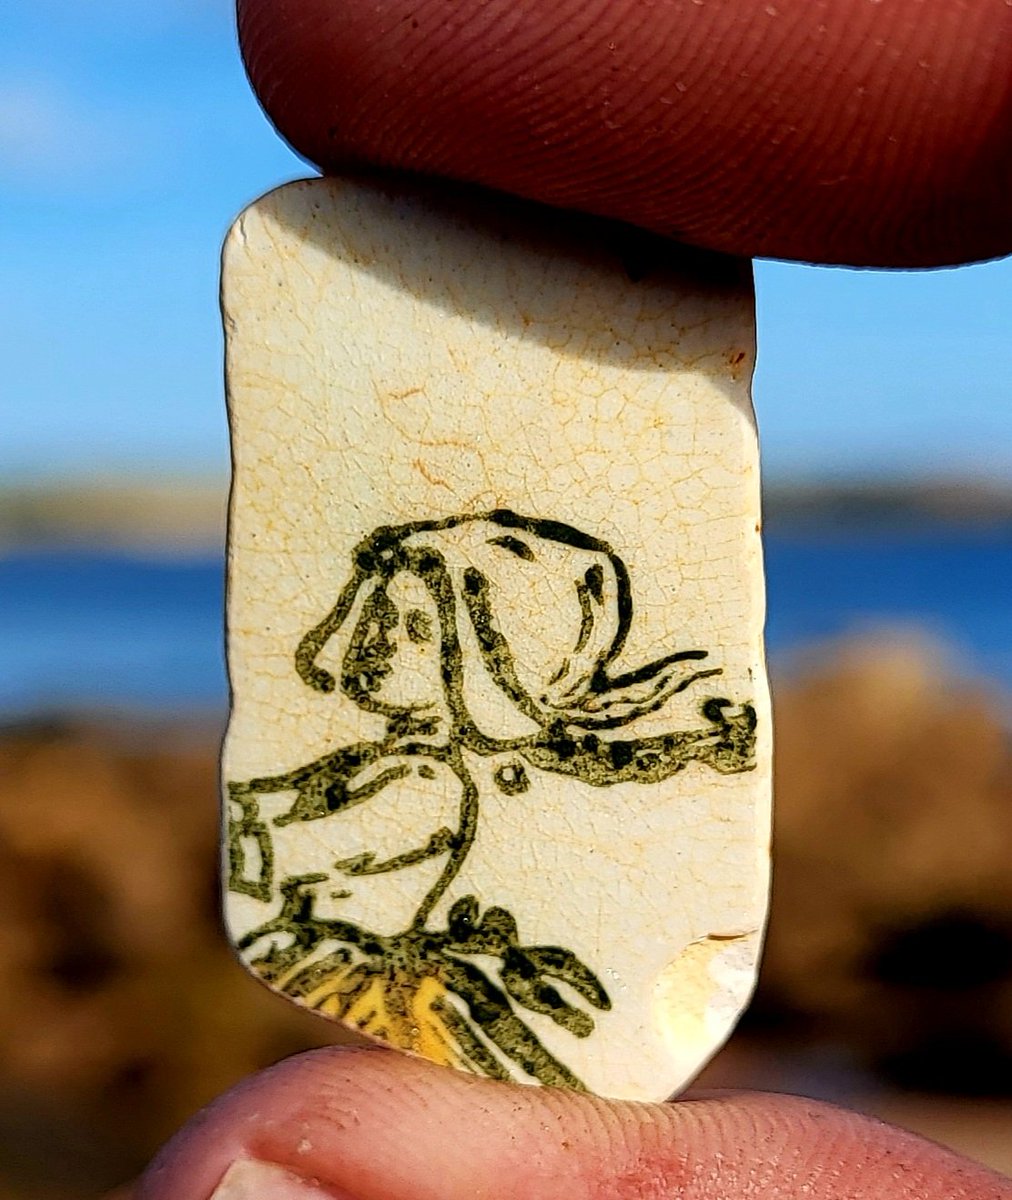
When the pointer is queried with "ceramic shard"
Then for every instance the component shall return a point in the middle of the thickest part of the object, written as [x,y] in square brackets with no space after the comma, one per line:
[498,768]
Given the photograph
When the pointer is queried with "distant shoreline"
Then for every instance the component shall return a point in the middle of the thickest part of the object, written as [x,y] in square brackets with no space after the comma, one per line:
[159,516]
[188,516]
[889,503]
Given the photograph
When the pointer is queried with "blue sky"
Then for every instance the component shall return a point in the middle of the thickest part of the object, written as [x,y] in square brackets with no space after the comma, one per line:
[129,139]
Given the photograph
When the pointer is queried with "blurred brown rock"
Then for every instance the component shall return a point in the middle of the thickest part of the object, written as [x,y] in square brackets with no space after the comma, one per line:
[891,923]
[122,1010]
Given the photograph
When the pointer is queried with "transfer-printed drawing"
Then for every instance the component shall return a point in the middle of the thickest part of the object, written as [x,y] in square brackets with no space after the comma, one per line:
[460,989]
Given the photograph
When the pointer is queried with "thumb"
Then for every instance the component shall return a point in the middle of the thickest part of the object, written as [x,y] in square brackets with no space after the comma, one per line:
[372,1125]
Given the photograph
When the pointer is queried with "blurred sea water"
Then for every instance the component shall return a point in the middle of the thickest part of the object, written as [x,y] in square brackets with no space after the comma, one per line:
[87,631]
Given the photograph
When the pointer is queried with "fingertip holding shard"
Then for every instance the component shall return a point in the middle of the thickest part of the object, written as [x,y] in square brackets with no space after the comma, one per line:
[848,133]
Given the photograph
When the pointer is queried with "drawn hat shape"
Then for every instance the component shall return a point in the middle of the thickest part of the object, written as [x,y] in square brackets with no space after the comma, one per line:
[527,609]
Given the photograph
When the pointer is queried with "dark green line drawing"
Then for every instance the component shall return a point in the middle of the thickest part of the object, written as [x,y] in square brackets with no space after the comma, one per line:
[450,584]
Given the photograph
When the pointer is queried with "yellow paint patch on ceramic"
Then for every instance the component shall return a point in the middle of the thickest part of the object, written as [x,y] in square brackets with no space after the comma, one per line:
[692,992]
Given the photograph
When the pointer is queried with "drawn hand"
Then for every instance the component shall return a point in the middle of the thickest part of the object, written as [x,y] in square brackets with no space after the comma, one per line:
[845,131]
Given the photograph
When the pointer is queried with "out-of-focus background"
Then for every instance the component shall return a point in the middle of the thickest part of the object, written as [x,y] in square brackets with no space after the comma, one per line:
[128,140]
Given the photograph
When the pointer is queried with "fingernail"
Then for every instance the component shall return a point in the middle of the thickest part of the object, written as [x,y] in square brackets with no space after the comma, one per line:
[251,1180]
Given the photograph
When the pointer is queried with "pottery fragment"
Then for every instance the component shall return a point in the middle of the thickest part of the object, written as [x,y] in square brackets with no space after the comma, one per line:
[497,776]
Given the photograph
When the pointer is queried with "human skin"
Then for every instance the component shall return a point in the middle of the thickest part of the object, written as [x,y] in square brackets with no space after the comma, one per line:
[868,132]
[374,1125]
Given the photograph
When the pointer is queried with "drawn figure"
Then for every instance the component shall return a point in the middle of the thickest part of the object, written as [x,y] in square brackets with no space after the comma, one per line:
[494,636]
